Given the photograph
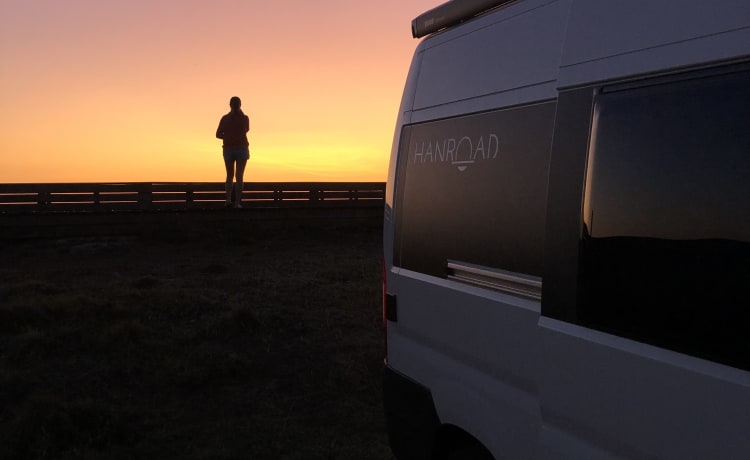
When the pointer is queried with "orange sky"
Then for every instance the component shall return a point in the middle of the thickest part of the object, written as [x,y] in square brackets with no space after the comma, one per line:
[100,91]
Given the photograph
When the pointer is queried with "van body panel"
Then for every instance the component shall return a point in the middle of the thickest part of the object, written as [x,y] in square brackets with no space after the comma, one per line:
[453,332]
[526,52]
[473,386]
[491,409]
[607,40]
[548,379]
[519,96]
[638,401]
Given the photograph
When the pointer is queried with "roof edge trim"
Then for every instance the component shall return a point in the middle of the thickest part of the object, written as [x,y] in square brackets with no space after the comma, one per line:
[451,13]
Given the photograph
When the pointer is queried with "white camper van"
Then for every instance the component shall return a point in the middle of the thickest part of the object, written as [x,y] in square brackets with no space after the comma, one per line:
[567,233]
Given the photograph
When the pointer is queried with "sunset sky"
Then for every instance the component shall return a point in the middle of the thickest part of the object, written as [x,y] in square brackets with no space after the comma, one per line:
[100,91]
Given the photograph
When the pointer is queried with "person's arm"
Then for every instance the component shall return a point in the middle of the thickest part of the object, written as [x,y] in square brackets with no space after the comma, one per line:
[220,129]
[247,123]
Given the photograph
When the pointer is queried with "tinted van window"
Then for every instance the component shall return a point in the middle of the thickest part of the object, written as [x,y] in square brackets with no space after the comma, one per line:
[473,189]
[666,234]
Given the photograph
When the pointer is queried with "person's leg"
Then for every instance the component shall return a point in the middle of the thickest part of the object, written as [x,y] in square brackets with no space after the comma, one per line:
[229,164]
[239,176]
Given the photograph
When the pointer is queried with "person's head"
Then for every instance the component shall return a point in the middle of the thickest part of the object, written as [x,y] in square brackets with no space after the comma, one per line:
[235,103]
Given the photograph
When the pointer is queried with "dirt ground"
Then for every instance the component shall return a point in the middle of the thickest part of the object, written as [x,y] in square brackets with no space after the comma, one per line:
[230,339]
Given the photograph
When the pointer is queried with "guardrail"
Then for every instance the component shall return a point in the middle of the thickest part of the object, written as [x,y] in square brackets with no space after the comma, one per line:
[51,197]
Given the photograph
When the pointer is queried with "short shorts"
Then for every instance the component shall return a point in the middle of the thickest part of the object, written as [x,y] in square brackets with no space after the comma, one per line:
[236,154]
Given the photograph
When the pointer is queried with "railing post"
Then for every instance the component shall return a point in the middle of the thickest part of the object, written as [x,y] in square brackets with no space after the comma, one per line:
[315,195]
[43,197]
[145,195]
[189,195]
[238,196]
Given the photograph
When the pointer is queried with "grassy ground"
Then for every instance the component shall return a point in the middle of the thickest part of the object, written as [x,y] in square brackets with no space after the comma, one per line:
[227,342]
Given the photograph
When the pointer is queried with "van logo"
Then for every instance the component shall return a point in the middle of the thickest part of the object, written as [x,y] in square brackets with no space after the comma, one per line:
[460,152]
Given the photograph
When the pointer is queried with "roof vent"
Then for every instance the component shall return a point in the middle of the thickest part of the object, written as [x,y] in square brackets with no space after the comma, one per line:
[451,13]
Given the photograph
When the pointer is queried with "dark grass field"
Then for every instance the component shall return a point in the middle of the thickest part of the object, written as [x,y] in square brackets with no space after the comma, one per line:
[229,340]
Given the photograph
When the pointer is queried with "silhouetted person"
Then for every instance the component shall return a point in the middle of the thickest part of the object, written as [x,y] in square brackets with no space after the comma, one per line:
[233,129]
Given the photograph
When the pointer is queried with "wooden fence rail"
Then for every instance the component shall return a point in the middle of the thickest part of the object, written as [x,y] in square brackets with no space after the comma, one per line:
[24,198]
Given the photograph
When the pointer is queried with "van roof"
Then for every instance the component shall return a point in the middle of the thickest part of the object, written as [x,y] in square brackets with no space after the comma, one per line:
[451,13]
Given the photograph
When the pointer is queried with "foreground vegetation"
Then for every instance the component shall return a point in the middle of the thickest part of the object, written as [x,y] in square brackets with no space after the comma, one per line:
[230,342]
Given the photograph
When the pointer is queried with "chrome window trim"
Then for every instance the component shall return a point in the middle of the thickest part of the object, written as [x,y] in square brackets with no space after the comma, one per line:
[517,284]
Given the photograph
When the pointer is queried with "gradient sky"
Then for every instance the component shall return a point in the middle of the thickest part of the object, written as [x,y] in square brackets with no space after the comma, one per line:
[100,91]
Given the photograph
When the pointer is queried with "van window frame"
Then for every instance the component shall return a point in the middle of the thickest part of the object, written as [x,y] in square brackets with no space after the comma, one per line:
[565,285]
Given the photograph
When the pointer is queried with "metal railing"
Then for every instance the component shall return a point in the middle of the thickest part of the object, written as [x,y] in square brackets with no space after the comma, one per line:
[53,197]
